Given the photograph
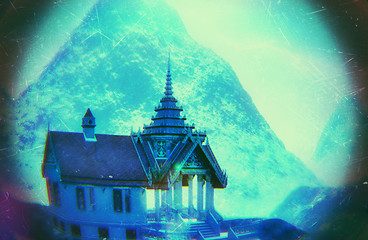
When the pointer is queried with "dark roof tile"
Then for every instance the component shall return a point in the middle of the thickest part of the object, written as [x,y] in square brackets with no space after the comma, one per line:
[112,157]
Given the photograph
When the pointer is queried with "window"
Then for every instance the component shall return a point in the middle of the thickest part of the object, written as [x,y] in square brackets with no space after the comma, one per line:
[117,200]
[103,233]
[75,230]
[62,227]
[91,198]
[127,201]
[55,222]
[80,199]
[55,199]
[59,225]
[130,234]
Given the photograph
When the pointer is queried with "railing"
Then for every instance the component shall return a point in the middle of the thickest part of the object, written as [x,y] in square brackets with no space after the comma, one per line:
[200,236]
[151,216]
[152,233]
[248,230]
[245,229]
[175,230]
[179,219]
[217,216]
[231,234]
[213,222]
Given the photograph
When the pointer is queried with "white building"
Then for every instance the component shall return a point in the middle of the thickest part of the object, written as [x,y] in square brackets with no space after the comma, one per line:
[97,183]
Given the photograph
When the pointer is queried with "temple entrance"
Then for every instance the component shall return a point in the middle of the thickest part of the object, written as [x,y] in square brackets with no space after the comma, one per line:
[190,196]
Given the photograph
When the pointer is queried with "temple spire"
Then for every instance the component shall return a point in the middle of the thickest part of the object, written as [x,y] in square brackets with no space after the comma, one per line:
[168,63]
[168,88]
[167,119]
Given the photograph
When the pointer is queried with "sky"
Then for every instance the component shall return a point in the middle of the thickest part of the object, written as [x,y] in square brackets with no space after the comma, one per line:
[51,34]
[282,52]
[285,57]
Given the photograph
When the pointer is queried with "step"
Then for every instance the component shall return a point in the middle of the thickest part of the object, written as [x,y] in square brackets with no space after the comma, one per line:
[200,228]
[204,229]
[208,233]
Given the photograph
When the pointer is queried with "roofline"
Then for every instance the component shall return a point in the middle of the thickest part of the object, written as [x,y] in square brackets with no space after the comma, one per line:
[169,117]
[95,133]
[140,160]
[105,182]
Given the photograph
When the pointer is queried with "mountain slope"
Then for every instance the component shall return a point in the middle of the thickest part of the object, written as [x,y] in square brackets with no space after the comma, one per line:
[115,63]
[342,148]
[327,213]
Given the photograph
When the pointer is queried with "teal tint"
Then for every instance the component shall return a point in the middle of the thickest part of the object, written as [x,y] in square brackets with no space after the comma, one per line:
[115,62]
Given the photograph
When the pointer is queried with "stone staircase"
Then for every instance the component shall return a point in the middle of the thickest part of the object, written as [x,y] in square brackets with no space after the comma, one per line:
[204,228]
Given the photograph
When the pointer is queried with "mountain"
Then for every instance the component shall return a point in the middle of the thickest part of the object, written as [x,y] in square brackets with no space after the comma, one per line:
[335,212]
[115,63]
[342,148]
[307,207]
[265,229]
[327,213]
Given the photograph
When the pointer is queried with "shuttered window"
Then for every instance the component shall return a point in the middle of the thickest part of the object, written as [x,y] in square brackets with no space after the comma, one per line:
[80,199]
[118,206]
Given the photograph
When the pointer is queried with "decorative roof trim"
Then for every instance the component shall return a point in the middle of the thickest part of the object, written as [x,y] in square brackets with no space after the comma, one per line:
[140,159]
[220,174]
[105,182]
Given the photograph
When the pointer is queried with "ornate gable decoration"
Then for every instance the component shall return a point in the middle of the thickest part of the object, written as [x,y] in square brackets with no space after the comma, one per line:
[161,149]
[193,162]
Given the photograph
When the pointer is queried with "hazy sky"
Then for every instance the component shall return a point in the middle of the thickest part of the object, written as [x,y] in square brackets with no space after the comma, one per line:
[281,51]
[284,56]
[55,30]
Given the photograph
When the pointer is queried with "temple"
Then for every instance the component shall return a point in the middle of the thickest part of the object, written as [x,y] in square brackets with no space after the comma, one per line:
[97,184]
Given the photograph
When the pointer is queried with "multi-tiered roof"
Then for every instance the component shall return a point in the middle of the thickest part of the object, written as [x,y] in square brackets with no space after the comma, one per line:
[152,158]
[168,119]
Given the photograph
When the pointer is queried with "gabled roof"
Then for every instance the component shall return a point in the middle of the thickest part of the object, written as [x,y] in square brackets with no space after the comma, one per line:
[167,174]
[171,169]
[219,178]
[220,174]
[111,160]
[148,152]
[130,160]
[123,160]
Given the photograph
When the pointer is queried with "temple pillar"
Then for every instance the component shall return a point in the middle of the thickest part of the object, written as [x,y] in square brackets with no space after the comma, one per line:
[169,203]
[178,196]
[157,205]
[169,197]
[209,194]
[200,183]
[163,199]
[190,195]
